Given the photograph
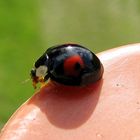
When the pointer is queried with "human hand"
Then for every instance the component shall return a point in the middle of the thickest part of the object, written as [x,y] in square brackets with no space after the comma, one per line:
[108,109]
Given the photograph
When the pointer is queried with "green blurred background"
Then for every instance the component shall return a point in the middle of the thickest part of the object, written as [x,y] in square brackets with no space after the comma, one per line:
[29,27]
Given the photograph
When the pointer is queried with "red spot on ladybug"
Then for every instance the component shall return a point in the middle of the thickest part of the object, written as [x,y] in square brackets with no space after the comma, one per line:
[73,65]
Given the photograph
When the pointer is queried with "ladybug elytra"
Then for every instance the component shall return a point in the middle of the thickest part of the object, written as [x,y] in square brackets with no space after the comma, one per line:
[68,64]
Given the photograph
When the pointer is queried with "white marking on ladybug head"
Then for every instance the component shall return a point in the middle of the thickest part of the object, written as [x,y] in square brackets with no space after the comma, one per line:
[41,71]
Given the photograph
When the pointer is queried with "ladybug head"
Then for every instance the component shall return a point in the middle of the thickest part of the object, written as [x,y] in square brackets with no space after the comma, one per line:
[40,69]
[73,66]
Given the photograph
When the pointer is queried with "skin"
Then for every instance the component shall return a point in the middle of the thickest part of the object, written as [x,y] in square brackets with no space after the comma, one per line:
[108,109]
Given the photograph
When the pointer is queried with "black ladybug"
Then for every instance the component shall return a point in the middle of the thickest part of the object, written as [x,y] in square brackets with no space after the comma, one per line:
[69,64]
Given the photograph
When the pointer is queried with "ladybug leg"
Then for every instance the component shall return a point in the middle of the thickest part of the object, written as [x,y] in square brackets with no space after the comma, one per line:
[34,85]
[34,78]
[42,80]
[34,82]
[46,77]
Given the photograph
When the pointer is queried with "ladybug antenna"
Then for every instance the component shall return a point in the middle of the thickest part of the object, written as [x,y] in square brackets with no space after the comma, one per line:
[25,81]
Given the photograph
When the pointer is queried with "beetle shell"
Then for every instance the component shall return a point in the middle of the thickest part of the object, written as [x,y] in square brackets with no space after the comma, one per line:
[68,64]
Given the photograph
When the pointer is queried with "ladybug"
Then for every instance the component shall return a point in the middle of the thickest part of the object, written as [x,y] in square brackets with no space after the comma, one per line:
[68,64]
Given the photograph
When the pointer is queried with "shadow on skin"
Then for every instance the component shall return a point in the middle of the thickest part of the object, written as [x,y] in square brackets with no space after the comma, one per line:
[67,107]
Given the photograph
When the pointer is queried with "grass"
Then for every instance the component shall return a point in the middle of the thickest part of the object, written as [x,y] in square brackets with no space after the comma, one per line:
[27,28]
